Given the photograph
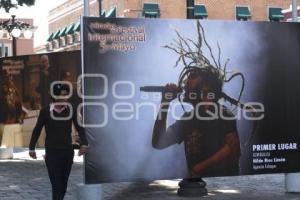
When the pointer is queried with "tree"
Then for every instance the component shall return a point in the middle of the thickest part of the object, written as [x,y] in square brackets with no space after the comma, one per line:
[8,4]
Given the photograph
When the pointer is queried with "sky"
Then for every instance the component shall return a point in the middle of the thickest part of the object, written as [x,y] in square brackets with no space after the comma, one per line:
[39,13]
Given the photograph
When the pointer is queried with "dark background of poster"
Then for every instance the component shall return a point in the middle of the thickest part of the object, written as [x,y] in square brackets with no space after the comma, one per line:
[266,53]
[28,79]
[29,91]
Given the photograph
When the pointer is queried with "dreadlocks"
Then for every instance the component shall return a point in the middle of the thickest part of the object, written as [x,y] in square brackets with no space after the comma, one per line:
[194,61]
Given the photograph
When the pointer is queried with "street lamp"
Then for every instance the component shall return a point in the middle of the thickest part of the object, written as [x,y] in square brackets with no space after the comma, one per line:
[14,29]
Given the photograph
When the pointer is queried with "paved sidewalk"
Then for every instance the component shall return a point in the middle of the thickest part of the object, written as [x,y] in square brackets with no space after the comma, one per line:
[26,179]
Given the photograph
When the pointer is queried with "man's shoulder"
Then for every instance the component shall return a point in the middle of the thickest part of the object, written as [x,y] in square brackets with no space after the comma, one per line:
[45,109]
[187,116]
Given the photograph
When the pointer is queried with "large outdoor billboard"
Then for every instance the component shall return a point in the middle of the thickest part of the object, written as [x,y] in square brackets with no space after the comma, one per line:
[25,88]
[185,98]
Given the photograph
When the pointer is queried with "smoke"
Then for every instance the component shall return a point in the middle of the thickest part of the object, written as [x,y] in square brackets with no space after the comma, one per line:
[122,150]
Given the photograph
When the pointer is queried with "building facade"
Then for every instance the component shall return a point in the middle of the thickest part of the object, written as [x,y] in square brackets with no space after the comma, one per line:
[23,46]
[64,23]
[262,10]
[288,14]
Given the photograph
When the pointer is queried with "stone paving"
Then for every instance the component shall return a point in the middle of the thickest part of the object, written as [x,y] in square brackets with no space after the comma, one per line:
[26,179]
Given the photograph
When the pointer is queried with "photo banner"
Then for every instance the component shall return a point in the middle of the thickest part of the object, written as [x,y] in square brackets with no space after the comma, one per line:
[25,89]
[167,99]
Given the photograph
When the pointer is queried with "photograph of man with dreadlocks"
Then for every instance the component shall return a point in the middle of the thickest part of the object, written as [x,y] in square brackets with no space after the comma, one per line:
[211,146]
[167,99]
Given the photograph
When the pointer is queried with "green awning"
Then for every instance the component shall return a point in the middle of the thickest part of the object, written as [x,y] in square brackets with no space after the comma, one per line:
[151,10]
[112,13]
[50,37]
[242,12]
[200,11]
[55,35]
[102,13]
[76,27]
[70,29]
[62,32]
[275,14]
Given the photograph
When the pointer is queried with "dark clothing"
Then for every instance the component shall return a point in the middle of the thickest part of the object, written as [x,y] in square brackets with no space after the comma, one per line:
[203,138]
[58,143]
[59,164]
[58,132]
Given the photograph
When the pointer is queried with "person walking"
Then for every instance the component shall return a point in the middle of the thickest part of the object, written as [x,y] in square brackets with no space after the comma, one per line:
[57,119]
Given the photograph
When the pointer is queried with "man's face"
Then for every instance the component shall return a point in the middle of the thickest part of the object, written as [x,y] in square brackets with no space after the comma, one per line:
[45,62]
[62,94]
[195,89]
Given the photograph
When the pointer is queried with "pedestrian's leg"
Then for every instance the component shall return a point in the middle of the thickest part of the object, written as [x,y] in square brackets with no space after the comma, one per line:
[67,166]
[55,174]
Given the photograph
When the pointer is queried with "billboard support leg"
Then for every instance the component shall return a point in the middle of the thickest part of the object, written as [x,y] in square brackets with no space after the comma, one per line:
[89,191]
[193,187]
[6,153]
[292,182]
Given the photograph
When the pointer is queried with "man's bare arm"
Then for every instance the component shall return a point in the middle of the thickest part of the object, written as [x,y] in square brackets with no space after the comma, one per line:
[163,137]
[160,139]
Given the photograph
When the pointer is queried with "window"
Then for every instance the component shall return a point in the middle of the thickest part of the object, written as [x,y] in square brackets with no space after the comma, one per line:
[3,51]
[242,13]
[151,10]
[200,12]
[69,33]
[49,46]
[55,44]
[62,41]
[77,37]
[275,14]
[102,13]
[70,39]
[61,37]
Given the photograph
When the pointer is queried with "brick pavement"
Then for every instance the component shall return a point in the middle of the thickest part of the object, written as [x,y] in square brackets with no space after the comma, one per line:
[25,179]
